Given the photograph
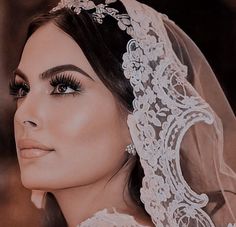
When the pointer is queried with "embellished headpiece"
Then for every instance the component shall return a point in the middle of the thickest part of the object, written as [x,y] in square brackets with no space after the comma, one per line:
[166,105]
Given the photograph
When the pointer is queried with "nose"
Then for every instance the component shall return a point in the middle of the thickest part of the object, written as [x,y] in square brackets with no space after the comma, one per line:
[30,124]
[29,112]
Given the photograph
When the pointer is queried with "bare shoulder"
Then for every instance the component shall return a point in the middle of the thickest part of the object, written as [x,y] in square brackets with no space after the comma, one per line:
[144,220]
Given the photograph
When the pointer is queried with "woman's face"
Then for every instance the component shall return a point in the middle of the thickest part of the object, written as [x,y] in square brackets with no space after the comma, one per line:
[69,128]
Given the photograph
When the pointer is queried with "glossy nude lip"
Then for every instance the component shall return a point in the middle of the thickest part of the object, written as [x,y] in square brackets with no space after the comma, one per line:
[29,148]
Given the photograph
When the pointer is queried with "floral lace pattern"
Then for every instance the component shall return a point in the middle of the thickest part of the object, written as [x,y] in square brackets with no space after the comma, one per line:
[165,107]
[104,218]
[114,219]
[100,11]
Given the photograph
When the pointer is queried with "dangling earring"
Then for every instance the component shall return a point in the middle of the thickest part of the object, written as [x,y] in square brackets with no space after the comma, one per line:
[131,149]
[38,198]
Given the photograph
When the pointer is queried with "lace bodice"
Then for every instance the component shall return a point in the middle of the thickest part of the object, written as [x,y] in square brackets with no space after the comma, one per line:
[106,219]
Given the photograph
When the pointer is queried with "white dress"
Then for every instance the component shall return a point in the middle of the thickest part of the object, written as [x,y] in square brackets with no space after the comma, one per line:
[104,218]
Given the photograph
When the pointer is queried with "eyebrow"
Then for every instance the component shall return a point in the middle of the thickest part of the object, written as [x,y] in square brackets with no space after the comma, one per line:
[52,71]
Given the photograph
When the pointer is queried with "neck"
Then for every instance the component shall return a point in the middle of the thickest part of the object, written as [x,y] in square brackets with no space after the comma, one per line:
[80,203]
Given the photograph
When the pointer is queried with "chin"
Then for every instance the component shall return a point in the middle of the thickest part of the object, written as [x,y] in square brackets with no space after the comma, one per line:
[29,183]
[34,182]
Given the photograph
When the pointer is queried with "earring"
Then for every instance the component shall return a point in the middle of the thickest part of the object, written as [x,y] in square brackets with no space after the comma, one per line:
[38,198]
[131,149]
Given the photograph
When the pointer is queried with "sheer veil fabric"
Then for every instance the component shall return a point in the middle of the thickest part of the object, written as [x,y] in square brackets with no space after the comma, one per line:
[212,160]
[172,122]
[182,126]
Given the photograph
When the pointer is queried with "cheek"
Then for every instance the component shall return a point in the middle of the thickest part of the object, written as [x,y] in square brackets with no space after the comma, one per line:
[18,127]
[88,138]
[87,121]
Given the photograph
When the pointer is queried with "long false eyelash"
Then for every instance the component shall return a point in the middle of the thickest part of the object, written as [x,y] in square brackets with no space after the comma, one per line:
[15,86]
[65,79]
[68,80]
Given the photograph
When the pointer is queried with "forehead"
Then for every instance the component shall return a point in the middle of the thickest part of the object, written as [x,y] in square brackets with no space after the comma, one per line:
[49,46]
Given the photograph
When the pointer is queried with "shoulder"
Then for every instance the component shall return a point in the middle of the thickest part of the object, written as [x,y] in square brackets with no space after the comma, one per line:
[143,220]
[107,219]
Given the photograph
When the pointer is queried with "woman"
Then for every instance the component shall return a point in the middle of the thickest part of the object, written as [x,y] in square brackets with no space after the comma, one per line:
[103,104]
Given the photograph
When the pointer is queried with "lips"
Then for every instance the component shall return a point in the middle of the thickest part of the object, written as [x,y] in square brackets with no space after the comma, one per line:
[29,148]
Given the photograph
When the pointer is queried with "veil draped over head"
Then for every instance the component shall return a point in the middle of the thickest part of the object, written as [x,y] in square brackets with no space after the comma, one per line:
[208,150]
[182,126]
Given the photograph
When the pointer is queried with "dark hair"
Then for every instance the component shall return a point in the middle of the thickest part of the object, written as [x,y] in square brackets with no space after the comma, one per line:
[103,45]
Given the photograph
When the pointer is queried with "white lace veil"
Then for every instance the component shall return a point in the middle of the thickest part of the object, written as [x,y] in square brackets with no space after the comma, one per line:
[169,109]
[209,151]
[182,125]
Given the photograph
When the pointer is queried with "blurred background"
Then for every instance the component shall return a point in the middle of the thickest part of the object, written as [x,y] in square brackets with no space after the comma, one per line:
[210,23]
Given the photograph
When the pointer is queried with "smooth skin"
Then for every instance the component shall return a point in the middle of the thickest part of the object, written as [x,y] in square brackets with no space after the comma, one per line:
[86,130]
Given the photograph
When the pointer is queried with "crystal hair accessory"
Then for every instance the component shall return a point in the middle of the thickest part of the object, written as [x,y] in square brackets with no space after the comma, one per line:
[100,11]
[165,107]
[131,149]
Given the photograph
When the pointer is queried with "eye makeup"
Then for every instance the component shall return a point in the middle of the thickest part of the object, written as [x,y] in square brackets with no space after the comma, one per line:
[63,84]
[18,89]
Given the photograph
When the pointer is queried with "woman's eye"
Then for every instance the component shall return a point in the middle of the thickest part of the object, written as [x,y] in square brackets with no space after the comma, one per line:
[23,92]
[18,89]
[65,84]
[63,88]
